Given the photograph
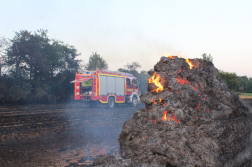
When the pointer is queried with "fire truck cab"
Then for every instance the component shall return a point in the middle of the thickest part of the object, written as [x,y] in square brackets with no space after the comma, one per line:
[109,87]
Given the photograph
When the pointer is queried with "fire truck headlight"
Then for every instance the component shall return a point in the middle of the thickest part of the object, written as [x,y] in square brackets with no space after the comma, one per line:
[77,87]
[90,92]
[77,93]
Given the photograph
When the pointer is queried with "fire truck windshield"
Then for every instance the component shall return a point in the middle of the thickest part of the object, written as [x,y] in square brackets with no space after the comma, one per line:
[128,82]
[135,83]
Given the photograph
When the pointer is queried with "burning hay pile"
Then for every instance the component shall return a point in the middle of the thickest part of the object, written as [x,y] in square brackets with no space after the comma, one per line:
[191,119]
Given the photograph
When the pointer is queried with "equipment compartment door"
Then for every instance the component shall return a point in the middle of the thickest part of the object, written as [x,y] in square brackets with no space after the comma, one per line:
[103,85]
[111,84]
[120,90]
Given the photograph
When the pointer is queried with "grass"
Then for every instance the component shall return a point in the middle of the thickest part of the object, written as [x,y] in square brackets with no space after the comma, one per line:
[246,96]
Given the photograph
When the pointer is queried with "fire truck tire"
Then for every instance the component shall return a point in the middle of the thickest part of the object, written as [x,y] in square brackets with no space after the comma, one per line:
[134,101]
[111,102]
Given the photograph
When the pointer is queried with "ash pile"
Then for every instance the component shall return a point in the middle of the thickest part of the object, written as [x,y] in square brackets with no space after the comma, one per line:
[190,119]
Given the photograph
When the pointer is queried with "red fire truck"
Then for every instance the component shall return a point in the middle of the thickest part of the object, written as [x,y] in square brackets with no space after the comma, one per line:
[109,87]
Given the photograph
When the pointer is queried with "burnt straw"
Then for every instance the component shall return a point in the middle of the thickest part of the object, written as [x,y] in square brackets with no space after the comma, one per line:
[191,119]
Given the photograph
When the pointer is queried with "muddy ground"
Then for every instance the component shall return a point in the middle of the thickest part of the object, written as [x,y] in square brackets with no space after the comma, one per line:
[60,135]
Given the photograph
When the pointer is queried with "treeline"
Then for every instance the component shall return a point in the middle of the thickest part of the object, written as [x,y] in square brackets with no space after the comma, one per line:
[36,69]
[235,82]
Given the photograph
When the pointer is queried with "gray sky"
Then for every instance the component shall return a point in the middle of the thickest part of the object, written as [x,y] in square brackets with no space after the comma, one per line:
[143,30]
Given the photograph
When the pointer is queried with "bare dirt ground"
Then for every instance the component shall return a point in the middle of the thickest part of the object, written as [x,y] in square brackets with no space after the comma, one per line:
[60,135]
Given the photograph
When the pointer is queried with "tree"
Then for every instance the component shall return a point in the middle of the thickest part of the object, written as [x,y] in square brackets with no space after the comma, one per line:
[35,56]
[26,55]
[142,76]
[249,86]
[96,62]
[205,57]
[133,66]
[4,43]
[231,79]
[63,58]
[244,81]
[41,69]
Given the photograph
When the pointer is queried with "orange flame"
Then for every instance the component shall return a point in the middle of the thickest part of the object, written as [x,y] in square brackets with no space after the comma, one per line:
[160,101]
[204,98]
[164,116]
[169,118]
[197,105]
[179,70]
[153,101]
[173,118]
[185,81]
[155,79]
[189,63]
[172,57]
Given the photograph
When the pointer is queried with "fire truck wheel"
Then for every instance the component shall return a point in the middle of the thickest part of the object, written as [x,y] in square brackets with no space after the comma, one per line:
[111,102]
[134,102]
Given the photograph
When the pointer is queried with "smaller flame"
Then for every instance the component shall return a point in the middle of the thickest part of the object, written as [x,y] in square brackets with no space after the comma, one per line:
[197,105]
[172,57]
[185,81]
[155,79]
[204,98]
[199,95]
[153,101]
[197,117]
[189,63]
[169,118]
[164,116]
[179,70]
[173,118]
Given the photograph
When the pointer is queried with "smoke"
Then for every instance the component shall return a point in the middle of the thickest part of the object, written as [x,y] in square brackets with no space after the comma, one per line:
[96,130]
[146,52]
[246,154]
